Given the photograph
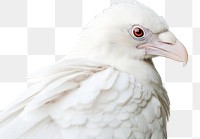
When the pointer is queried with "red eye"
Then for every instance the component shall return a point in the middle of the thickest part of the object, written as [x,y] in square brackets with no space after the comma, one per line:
[138,32]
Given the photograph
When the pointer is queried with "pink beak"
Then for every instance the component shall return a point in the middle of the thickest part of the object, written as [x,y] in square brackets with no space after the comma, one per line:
[168,46]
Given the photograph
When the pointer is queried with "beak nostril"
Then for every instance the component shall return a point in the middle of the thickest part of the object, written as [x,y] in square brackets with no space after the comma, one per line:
[168,43]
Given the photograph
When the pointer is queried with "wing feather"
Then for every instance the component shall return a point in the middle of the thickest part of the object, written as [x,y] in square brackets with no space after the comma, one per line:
[32,107]
[86,99]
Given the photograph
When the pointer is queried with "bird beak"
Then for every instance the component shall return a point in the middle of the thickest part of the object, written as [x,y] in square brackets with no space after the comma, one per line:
[166,44]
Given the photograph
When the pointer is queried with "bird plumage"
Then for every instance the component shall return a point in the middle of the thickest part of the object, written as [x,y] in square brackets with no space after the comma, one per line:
[106,89]
[85,99]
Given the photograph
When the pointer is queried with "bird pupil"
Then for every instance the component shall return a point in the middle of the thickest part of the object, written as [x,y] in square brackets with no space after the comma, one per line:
[138,32]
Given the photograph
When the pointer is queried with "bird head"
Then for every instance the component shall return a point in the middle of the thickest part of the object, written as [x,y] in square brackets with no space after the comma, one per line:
[131,31]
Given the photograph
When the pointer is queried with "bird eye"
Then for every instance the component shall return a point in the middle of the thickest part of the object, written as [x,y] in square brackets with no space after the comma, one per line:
[138,32]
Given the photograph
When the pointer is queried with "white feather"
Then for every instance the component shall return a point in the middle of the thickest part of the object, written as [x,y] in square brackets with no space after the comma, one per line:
[112,93]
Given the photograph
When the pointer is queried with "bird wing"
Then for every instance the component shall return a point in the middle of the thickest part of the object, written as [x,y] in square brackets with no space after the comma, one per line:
[52,83]
[84,99]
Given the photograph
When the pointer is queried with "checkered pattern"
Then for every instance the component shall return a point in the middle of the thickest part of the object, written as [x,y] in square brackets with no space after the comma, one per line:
[35,33]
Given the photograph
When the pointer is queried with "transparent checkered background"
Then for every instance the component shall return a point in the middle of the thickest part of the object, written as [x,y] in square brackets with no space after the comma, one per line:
[36,33]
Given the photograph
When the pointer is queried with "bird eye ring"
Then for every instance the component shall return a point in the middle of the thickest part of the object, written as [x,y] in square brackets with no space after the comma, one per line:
[138,32]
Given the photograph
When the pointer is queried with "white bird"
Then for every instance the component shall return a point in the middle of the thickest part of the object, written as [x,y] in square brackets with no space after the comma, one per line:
[108,88]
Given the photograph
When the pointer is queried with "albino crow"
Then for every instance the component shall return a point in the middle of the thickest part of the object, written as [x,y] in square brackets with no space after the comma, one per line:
[108,88]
